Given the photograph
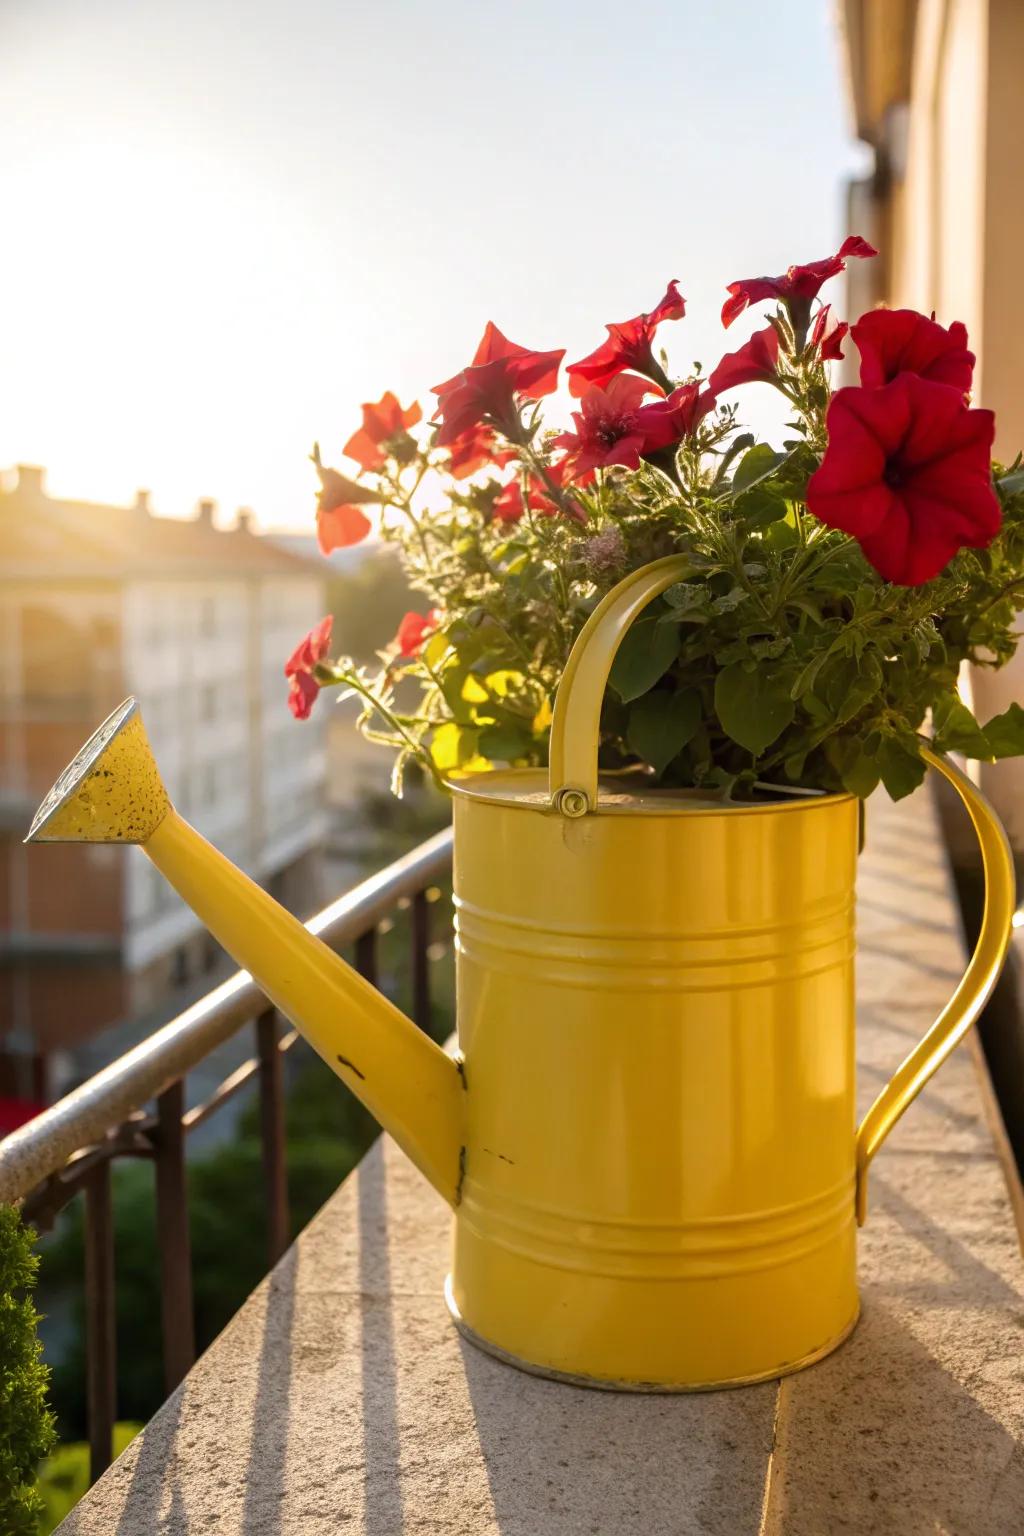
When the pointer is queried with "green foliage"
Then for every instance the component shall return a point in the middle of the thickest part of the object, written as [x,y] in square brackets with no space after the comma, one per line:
[660,727]
[64,1476]
[799,665]
[644,656]
[26,1424]
[368,602]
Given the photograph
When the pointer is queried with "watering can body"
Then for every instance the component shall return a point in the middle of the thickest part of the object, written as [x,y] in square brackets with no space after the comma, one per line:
[648,1137]
[656,1014]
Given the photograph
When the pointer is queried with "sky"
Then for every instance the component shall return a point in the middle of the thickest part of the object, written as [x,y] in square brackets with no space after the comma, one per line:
[223,225]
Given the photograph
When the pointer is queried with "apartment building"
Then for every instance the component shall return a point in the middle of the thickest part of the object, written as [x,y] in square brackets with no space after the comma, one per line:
[97,602]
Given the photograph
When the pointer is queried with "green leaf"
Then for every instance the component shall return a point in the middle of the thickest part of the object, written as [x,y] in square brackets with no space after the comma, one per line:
[763,505]
[852,685]
[1005,733]
[729,601]
[756,464]
[900,766]
[956,730]
[858,771]
[753,708]
[504,742]
[1011,484]
[645,655]
[661,724]
[686,594]
[452,746]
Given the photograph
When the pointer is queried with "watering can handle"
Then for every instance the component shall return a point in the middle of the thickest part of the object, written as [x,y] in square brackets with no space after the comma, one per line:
[576,721]
[974,990]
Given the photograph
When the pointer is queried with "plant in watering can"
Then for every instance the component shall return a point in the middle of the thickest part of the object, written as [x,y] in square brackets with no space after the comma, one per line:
[659,665]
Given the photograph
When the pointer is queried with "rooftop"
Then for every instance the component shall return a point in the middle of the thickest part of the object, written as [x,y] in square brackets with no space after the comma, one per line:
[44,536]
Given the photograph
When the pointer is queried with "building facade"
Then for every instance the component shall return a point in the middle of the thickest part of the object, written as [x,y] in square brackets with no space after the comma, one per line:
[97,602]
[935,91]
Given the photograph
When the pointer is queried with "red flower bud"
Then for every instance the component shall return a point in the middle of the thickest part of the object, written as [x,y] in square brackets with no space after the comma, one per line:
[828,334]
[303,686]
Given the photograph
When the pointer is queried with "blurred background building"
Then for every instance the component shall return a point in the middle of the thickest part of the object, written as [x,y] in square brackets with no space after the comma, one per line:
[936,92]
[97,602]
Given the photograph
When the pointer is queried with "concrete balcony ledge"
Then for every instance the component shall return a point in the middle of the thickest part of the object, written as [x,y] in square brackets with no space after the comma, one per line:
[341,1399]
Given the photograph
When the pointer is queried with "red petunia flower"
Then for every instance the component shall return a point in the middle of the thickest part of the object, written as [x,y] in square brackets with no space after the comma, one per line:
[508,507]
[892,341]
[608,429]
[473,449]
[664,423]
[755,362]
[339,521]
[629,345]
[303,686]
[796,287]
[414,630]
[485,391]
[381,423]
[907,472]
[828,335]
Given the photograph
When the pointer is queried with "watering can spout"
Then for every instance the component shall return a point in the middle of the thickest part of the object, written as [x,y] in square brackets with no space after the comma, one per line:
[112,793]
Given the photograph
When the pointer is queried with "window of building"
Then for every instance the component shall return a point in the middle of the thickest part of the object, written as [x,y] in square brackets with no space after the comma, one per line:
[207,615]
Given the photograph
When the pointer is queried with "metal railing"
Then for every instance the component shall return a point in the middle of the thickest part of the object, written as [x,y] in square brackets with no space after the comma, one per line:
[70,1148]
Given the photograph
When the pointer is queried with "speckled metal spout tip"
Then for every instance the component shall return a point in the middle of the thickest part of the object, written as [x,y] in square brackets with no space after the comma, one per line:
[110,793]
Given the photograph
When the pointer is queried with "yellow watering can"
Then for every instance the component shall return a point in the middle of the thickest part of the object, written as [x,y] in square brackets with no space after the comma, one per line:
[648,1137]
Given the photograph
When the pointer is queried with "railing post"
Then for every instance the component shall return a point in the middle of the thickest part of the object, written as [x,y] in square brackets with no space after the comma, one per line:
[420,963]
[173,1237]
[272,1134]
[100,1324]
[366,955]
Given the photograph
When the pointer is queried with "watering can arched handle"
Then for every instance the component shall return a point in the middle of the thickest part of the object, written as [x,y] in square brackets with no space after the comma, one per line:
[576,721]
[974,990]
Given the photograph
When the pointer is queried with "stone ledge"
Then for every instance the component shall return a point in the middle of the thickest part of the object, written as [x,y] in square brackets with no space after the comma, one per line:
[341,1399]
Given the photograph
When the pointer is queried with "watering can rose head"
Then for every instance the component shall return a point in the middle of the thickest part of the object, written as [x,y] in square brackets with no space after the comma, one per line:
[836,578]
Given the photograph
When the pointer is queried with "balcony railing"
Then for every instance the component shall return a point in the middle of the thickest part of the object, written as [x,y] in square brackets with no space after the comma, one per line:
[136,1108]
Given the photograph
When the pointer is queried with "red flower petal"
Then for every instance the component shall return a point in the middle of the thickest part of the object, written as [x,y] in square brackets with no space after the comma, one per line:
[796,283]
[310,649]
[892,341]
[413,631]
[629,345]
[827,334]
[755,362]
[302,695]
[664,423]
[382,421]
[907,472]
[508,507]
[486,390]
[340,527]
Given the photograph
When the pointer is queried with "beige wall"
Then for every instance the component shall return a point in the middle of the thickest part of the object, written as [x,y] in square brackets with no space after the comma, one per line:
[956,217]
[949,215]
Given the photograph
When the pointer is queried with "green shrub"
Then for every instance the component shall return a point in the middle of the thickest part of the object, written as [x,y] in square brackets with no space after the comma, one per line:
[26,1423]
[64,1476]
